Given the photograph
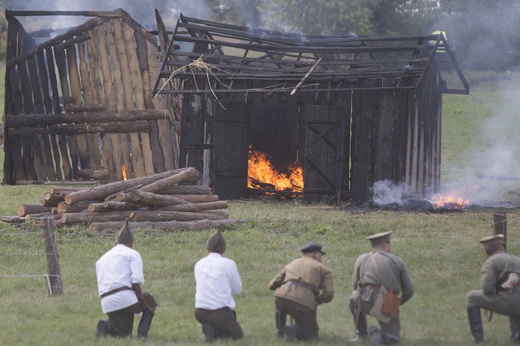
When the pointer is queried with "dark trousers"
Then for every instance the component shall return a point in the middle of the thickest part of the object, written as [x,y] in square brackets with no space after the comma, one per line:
[304,318]
[123,320]
[224,320]
[390,332]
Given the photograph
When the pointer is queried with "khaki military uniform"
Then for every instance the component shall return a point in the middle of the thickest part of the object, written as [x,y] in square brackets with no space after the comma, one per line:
[371,271]
[299,287]
[491,296]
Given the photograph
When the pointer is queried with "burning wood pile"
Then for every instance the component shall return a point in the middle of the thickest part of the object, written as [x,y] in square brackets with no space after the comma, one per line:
[159,201]
[265,181]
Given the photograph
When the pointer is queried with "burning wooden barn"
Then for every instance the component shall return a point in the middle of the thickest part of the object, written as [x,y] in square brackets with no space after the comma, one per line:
[254,111]
[347,111]
[78,102]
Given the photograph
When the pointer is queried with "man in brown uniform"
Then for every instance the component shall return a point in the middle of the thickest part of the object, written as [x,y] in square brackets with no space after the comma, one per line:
[299,288]
[375,273]
[499,291]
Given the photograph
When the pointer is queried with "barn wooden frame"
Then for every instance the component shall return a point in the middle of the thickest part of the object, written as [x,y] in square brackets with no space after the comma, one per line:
[351,110]
[81,101]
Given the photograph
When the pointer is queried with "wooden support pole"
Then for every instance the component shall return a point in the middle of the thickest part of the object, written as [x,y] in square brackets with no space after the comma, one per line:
[500,226]
[305,77]
[53,277]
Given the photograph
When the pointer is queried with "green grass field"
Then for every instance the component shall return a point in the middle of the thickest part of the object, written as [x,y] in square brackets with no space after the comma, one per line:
[442,252]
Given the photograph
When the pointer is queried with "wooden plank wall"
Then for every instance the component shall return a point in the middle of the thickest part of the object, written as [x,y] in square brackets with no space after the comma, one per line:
[232,138]
[107,64]
[396,136]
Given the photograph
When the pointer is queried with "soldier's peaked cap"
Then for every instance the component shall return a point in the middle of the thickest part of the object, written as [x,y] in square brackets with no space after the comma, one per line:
[124,236]
[312,247]
[379,238]
[492,239]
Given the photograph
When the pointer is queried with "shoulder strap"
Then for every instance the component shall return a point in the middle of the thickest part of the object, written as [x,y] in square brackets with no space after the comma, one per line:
[364,266]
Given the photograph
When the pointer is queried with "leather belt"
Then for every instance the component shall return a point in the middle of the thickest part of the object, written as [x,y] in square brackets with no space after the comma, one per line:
[374,287]
[299,283]
[109,293]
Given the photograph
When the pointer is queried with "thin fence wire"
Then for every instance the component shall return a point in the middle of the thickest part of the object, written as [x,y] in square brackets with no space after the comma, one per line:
[22,256]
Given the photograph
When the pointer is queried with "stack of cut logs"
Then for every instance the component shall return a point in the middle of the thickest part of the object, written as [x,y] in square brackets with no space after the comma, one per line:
[157,201]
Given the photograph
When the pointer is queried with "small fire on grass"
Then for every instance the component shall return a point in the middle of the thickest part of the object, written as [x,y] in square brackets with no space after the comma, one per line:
[457,200]
[262,174]
[452,201]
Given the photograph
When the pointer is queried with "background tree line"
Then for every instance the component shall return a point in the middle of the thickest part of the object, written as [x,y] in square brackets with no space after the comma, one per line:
[483,33]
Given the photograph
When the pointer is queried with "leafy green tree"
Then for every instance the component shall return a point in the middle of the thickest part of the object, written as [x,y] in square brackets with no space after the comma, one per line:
[361,17]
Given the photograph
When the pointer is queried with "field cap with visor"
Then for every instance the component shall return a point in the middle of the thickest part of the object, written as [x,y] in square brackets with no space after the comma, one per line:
[492,239]
[312,247]
[380,238]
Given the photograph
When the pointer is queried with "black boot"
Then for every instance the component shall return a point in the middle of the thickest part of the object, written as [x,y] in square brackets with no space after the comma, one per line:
[281,321]
[475,324]
[102,329]
[375,336]
[107,328]
[144,324]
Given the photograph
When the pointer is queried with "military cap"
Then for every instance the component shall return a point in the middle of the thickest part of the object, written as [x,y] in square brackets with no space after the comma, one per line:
[379,238]
[312,247]
[124,236]
[492,239]
[216,243]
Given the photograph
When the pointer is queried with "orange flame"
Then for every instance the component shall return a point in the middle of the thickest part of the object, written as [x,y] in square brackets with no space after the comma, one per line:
[261,170]
[454,200]
[123,168]
[449,201]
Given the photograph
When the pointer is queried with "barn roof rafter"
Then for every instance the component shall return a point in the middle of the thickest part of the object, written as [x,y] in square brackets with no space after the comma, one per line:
[220,53]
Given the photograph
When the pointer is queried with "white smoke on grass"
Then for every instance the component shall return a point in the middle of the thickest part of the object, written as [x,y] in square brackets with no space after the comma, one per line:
[491,170]
[386,192]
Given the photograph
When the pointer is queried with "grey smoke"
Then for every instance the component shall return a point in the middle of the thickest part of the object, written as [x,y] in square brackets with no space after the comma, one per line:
[386,192]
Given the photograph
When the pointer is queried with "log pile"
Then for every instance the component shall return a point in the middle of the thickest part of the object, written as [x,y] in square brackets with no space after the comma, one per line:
[158,201]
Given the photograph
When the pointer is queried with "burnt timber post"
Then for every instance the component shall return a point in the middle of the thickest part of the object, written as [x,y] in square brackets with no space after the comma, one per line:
[500,226]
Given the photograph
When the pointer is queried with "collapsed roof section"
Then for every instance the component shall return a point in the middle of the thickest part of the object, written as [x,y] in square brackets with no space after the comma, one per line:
[217,54]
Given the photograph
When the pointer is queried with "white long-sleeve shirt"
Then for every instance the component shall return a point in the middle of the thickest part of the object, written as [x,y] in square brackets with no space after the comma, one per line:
[217,279]
[120,266]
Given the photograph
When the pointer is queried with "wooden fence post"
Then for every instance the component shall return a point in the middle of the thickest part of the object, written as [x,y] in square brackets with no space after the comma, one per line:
[500,226]
[53,277]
